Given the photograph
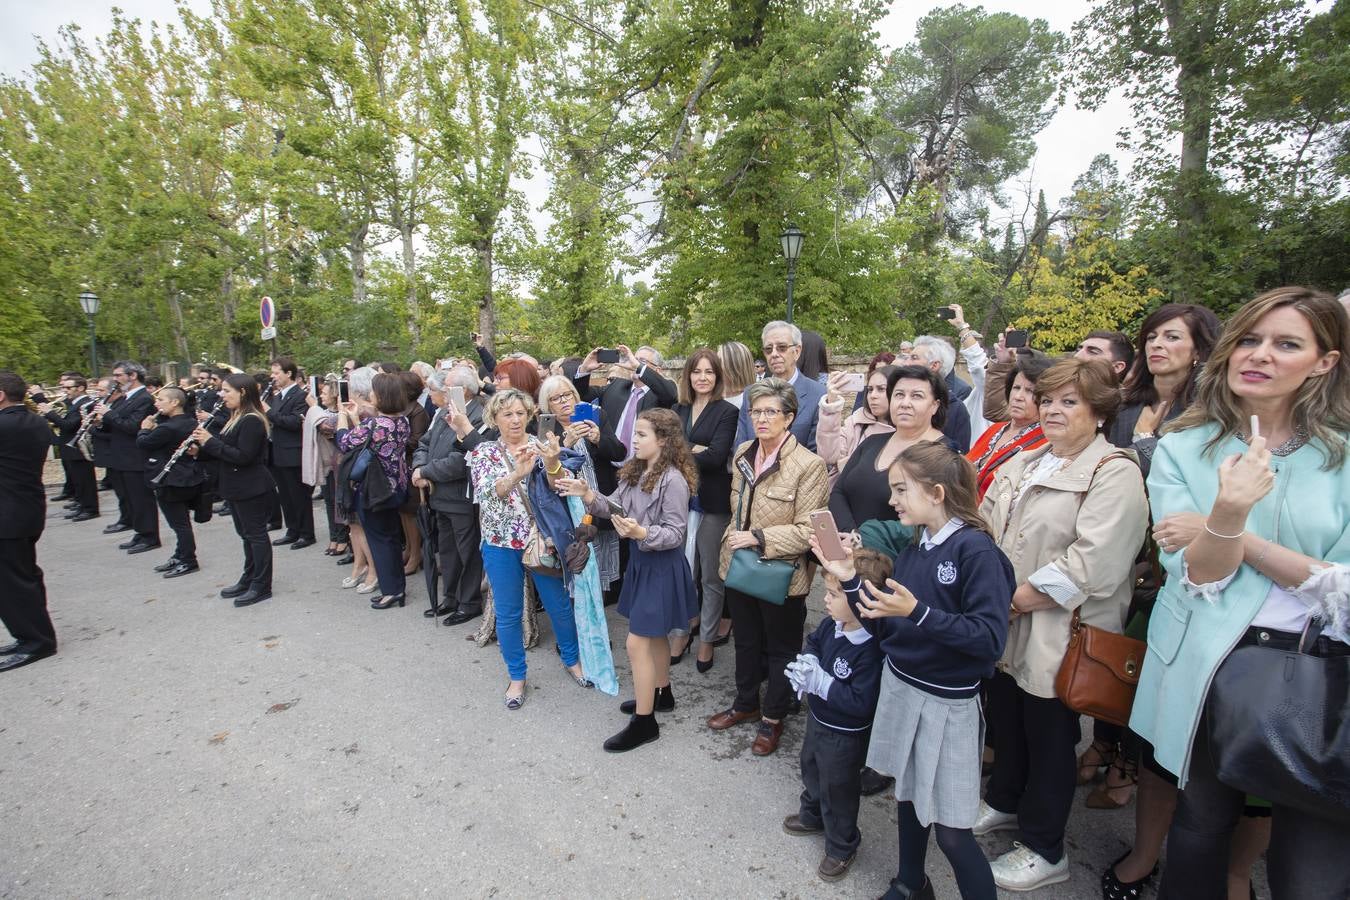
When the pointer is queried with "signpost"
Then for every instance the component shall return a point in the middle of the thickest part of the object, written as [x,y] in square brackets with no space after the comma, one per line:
[267,314]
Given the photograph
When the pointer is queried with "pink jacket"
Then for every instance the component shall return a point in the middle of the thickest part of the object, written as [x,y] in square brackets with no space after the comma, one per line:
[837,437]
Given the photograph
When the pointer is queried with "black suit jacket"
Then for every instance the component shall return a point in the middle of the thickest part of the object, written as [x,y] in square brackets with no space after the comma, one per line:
[612,399]
[67,425]
[122,423]
[160,442]
[24,440]
[287,416]
[716,430]
[242,452]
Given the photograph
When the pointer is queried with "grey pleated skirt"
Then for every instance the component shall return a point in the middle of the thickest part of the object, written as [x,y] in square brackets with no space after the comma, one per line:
[932,747]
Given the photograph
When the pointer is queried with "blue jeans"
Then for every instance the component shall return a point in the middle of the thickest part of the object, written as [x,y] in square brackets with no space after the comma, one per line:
[506,573]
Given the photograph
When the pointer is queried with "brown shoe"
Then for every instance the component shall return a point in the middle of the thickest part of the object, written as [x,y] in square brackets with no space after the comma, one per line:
[729,717]
[831,869]
[766,742]
[793,825]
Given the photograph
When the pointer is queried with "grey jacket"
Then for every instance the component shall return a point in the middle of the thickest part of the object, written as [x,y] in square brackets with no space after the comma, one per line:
[442,458]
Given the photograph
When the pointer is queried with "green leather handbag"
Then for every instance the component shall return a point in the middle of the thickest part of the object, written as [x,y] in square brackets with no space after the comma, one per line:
[753,575]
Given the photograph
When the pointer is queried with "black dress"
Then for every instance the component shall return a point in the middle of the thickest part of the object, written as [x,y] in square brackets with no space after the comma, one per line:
[861,493]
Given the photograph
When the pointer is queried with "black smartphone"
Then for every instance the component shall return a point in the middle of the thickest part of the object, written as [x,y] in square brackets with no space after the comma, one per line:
[614,508]
[1015,339]
[946,312]
[343,394]
[474,336]
[604,355]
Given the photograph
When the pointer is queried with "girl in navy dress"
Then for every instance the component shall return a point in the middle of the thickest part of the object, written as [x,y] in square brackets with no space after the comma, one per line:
[658,591]
[942,620]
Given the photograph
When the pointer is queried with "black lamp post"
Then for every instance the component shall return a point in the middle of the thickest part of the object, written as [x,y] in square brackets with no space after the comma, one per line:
[89,303]
[792,247]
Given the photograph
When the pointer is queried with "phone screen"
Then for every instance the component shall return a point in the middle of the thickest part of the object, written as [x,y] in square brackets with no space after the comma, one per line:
[607,356]
[546,423]
[614,508]
[457,398]
[1014,339]
[343,394]
[314,385]
[827,535]
[946,312]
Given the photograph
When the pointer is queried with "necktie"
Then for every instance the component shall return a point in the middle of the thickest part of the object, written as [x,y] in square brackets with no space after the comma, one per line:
[629,418]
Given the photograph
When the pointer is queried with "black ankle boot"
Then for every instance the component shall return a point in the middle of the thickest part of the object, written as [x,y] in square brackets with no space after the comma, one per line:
[640,730]
[665,702]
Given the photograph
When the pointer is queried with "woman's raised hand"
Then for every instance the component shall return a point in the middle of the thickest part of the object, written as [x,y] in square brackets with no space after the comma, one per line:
[1244,478]
[571,487]
[525,460]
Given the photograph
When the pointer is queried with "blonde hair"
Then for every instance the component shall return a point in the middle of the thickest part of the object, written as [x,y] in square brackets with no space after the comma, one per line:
[505,398]
[738,367]
[1321,406]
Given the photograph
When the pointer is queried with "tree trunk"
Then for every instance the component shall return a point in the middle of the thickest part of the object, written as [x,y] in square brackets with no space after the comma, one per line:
[1192,36]
[180,342]
[410,279]
[487,312]
[234,351]
[356,248]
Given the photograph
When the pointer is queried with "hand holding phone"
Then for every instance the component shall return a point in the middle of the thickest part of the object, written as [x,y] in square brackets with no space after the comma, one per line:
[457,399]
[946,312]
[547,423]
[1015,339]
[344,394]
[827,535]
[607,356]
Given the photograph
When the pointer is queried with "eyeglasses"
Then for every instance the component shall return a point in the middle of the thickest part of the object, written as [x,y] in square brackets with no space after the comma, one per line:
[765,413]
[777,348]
[559,398]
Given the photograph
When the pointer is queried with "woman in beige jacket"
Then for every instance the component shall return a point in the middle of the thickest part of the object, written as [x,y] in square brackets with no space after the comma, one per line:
[1071,517]
[776,484]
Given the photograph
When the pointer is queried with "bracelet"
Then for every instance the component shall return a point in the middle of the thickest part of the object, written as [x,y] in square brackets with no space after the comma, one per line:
[1226,537]
[1141,435]
[556,470]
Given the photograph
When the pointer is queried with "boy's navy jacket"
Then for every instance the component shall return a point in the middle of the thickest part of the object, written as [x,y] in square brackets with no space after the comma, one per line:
[856,670]
[964,585]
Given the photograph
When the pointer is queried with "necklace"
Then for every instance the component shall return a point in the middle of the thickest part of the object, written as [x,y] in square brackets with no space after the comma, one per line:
[1296,440]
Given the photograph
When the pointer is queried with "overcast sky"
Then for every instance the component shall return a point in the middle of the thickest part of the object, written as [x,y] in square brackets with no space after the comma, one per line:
[1065,147]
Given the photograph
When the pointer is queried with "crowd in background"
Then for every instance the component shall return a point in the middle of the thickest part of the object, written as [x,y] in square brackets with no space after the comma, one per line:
[1137,531]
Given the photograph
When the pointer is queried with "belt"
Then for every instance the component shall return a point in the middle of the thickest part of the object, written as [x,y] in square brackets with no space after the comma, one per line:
[1288,640]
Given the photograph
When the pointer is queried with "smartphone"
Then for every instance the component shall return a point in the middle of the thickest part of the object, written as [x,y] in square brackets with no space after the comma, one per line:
[827,535]
[457,399]
[855,382]
[314,385]
[586,412]
[343,394]
[946,312]
[604,355]
[1014,339]
[614,508]
[475,336]
[547,422]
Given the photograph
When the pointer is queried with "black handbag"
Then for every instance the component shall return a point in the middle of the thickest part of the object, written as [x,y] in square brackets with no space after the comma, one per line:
[1279,727]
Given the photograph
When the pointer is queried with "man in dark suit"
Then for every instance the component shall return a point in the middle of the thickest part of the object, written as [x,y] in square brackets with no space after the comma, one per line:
[126,462]
[24,440]
[782,343]
[286,412]
[635,385]
[79,471]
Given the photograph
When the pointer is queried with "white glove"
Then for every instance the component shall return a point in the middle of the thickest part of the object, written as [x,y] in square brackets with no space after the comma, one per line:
[807,677]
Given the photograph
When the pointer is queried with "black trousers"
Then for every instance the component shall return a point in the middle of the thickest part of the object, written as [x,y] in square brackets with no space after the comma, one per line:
[83,484]
[297,503]
[178,513]
[461,561]
[120,492]
[832,764]
[250,523]
[1035,769]
[765,635]
[23,596]
[141,504]
[338,532]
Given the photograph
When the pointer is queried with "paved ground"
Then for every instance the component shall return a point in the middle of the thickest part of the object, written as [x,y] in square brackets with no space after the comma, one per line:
[309,746]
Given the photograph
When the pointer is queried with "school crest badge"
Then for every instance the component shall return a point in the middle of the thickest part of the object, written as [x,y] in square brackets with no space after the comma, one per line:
[946,572]
[841,668]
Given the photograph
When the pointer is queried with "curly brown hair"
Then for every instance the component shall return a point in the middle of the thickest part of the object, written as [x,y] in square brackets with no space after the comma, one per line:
[674,454]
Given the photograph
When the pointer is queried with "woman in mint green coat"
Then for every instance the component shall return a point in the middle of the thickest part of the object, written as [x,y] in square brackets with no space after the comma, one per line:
[1245,517]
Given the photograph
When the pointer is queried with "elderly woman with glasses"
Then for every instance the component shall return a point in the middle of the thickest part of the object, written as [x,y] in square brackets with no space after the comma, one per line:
[775,484]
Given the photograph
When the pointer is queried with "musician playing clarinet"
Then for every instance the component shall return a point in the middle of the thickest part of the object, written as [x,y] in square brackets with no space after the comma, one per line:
[162,438]
[126,463]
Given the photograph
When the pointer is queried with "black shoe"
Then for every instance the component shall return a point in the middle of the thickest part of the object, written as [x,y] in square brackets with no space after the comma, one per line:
[183,568]
[898,891]
[71,514]
[283,540]
[387,602]
[275,526]
[142,548]
[665,702]
[702,666]
[167,564]
[9,649]
[676,660]
[346,560]
[235,590]
[127,545]
[84,516]
[222,510]
[253,596]
[460,616]
[432,613]
[640,730]
[116,528]
[15,660]
[873,782]
[302,543]
[74,504]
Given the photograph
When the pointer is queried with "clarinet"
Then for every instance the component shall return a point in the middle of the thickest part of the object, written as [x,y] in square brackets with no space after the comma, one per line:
[87,422]
[187,444]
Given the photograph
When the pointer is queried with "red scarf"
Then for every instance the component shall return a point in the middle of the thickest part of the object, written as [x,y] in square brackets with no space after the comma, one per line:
[987,460]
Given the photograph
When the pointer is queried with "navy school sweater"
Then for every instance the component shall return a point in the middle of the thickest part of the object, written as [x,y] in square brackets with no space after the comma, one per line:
[856,669]
[956,633]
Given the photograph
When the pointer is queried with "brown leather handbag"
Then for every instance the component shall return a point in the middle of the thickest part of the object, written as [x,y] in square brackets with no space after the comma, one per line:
[1100,672]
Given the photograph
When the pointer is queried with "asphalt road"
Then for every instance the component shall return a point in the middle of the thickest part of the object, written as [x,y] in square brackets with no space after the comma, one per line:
[310,746]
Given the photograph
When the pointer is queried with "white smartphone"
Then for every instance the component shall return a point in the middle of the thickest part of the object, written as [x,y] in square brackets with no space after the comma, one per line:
[457,399]
[855,382]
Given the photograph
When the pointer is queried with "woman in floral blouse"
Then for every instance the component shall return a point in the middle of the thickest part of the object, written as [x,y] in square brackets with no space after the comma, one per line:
[385,431]
[499,469]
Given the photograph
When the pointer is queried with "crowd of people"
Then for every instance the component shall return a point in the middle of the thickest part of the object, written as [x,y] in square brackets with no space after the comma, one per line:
[1138,532]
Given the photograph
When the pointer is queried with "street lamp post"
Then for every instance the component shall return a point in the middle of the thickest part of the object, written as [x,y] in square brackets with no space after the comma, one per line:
[89,303]
[792,247]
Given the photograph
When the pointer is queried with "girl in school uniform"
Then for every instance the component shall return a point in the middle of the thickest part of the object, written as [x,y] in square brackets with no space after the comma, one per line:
[650,509]
[942,621]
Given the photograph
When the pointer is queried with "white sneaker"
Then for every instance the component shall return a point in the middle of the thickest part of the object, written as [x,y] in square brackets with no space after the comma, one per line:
[991,819]
[1023,869]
